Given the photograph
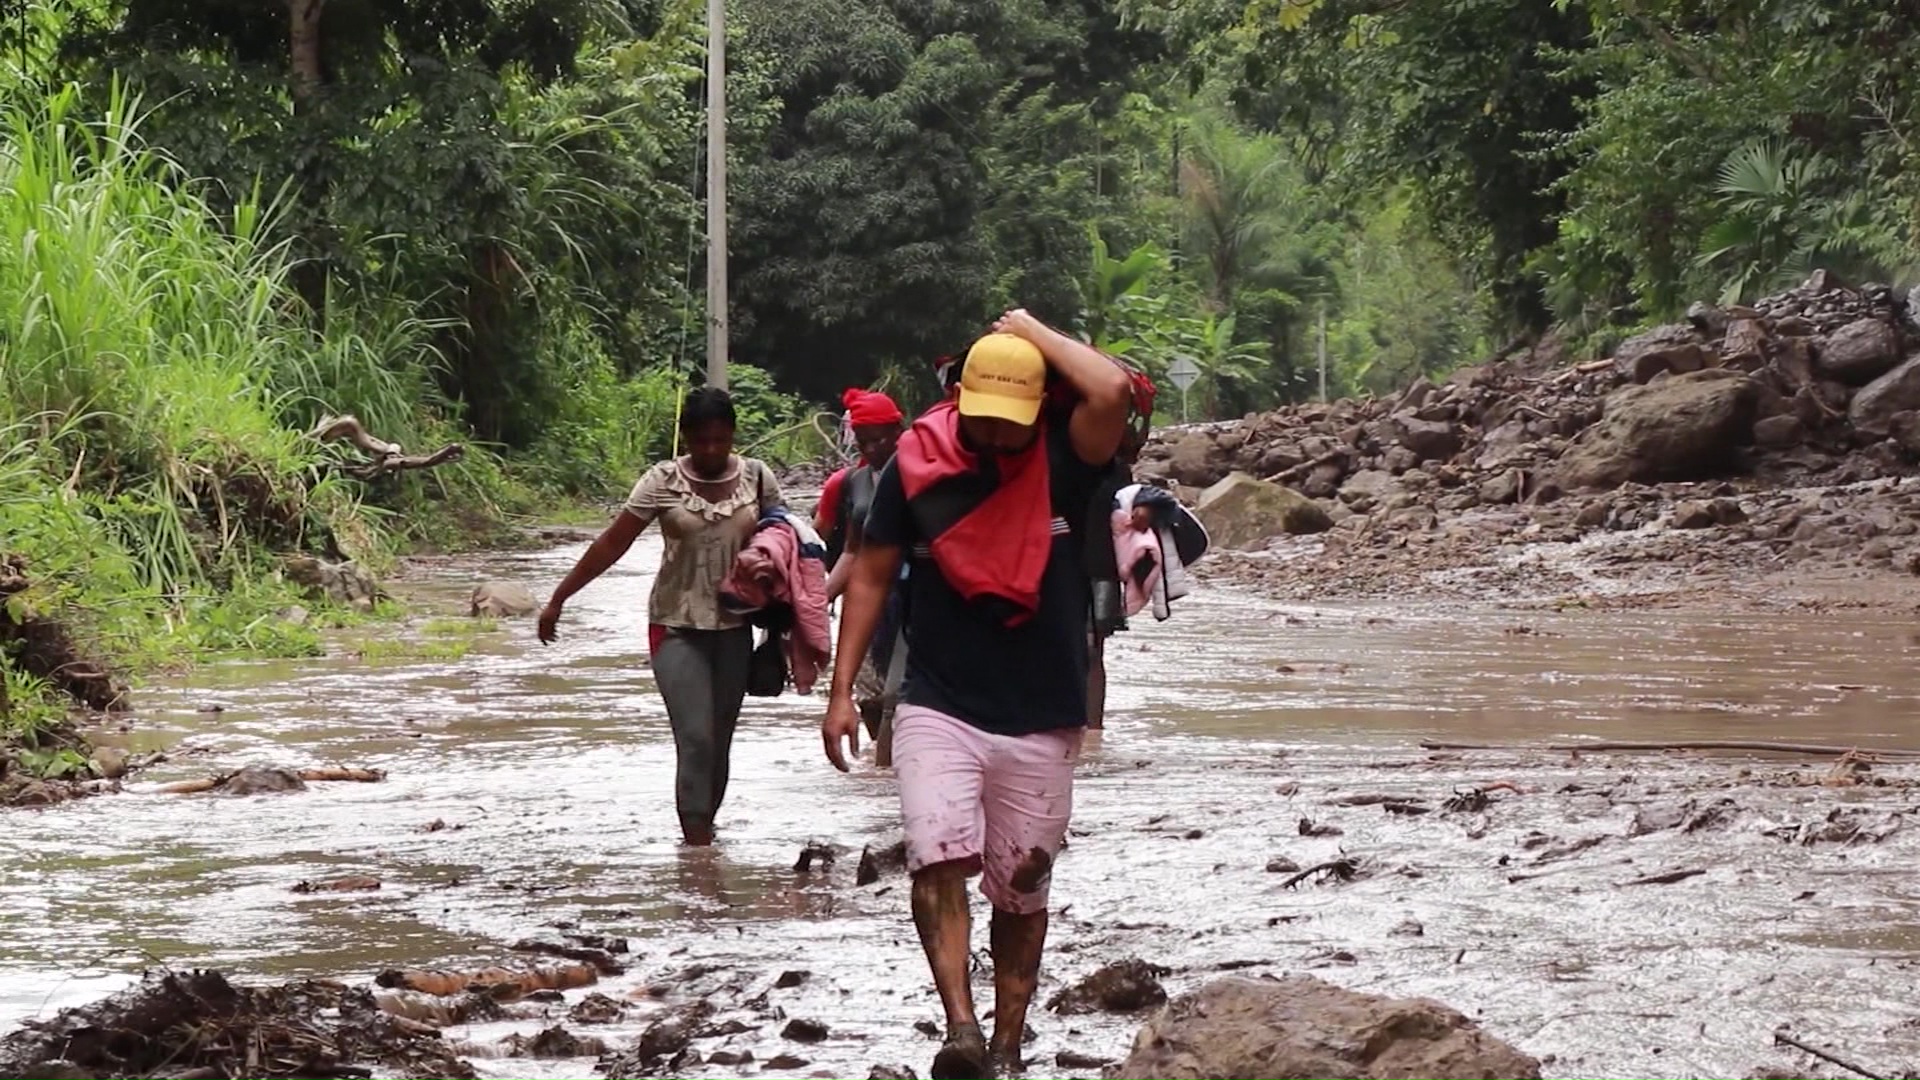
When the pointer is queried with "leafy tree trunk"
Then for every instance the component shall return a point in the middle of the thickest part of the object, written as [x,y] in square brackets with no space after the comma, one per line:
[309,74]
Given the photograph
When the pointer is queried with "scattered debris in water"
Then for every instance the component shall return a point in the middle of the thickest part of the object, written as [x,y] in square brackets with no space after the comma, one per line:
[1124,987]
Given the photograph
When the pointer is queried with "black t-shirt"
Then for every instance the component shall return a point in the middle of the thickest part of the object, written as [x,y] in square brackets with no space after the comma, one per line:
[962,658]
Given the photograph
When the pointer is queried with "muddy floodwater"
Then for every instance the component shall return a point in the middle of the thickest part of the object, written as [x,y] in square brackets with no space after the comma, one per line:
[529,785]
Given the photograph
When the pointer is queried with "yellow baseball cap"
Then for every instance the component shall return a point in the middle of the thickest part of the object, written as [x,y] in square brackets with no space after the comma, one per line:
[1005,377]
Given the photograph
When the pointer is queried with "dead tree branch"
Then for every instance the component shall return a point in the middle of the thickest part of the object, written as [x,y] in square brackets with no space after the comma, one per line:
[383,457]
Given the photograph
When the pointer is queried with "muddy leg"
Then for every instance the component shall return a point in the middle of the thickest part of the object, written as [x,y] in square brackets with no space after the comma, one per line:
[683,670]
[1028,799]
[732,661]
[941,915]
[1017,941]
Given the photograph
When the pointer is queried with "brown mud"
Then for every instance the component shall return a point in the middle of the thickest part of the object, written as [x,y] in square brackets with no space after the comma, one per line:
[1260,804]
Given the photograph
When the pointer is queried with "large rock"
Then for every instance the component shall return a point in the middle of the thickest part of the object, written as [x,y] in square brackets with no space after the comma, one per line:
[342,583]
[1194,460]
[1683,428]
[1905,429]
[1745,346]
[1301,1027]
[1365,489]
[503,600]
[1673,348]
[1898,391]
[1860,352]
[1241,512]
[1431,440]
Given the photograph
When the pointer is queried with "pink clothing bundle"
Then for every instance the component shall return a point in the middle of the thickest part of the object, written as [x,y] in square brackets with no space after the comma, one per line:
[1152,571]
[1135,548]
[782,566]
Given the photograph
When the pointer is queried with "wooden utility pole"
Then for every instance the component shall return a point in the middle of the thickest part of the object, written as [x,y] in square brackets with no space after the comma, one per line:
[717,193]
[1322,349]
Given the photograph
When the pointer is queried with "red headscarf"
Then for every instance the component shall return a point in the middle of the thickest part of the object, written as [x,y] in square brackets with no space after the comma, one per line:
[867,408]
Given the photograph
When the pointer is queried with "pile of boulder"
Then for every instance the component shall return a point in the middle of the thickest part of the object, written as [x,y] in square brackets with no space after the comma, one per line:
[1790,423]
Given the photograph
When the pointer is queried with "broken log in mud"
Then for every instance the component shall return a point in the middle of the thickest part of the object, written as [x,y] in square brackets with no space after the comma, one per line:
[1753,746]
[504,984]
[254,780]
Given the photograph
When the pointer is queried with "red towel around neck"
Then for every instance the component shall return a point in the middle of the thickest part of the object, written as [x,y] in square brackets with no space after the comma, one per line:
[990,543]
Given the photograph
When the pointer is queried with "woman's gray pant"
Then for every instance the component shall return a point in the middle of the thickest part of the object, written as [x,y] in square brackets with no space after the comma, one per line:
[702,675]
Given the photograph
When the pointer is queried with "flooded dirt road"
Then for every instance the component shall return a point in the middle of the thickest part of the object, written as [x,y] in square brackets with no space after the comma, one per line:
[529,785]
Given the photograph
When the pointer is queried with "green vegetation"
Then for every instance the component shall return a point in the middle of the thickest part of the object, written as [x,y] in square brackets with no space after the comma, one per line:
[481,222]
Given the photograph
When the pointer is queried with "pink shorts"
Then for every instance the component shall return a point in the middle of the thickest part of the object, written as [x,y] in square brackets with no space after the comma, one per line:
[1000,802]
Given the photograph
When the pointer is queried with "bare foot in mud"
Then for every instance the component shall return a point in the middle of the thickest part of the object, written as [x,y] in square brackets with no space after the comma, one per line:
[963,1056]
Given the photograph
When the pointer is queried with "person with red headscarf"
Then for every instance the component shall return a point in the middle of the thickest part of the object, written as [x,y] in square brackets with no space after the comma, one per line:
[875,422]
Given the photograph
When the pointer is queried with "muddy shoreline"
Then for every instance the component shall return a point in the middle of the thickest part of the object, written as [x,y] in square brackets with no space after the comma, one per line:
[1559,906]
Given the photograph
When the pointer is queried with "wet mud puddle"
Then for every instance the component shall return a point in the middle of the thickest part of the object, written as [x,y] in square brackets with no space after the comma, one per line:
[1615,914]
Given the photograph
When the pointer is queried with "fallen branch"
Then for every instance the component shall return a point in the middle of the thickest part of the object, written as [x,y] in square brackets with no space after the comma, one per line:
[1288,476]
[317,776]
[385,457]
[341,775]
[1344,869]
[1515,879]
[602,960]
[1667,878]
[1628,747]
[1781,1038]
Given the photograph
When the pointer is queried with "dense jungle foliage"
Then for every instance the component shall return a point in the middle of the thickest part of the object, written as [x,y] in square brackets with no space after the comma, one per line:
[481,220]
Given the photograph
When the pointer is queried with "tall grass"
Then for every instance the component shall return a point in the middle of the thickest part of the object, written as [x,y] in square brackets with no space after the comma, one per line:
[156,354]
[157,381]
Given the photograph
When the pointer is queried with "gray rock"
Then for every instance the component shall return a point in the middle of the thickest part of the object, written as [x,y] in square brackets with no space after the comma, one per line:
[1745,346]
[1194,460]
[1301,1026]
[261,780]
[1860,352]
[1709,320]
[1364,489]
[502,600]
[1873,408]
[110,762]
[1779,432]
[1904,427]
[342,583]
[1242,513]
[1324,480]
[1431,440]
[1505,488]
[1507,442]
[1674,348]
[1684,428]
[1697,514]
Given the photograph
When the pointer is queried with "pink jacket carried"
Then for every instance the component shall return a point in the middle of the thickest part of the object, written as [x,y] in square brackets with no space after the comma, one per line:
[783,565]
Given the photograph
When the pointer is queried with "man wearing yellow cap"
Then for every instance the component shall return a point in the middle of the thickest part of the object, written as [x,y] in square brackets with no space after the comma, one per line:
[982,497]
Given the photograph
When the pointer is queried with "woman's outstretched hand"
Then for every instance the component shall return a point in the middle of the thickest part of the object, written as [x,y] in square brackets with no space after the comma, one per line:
[549,623]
